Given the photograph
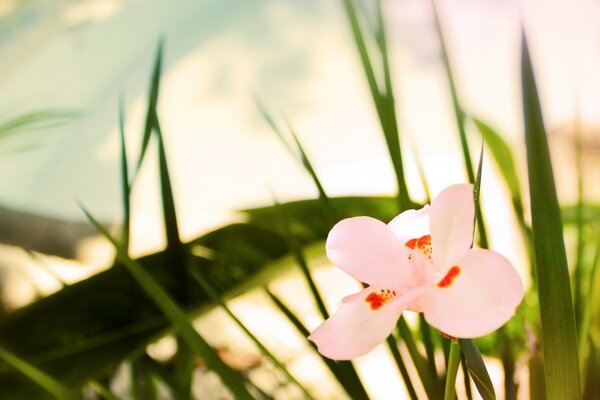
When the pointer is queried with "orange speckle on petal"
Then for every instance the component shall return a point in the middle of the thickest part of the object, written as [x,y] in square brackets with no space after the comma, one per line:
[447,280]
[423,244]
[412,243]
[378,299]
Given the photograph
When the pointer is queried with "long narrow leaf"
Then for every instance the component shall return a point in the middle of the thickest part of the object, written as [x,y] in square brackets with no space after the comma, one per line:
[343,370]
[177,317]
[559,335]
[152,103]
[384,104]
[477,369]
[206,287]
[125,187]
[459,115]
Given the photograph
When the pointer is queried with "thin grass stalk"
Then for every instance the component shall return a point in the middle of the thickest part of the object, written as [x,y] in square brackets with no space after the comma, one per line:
[384,104]
[211,292]
[393,346]
[177,317]
[459,115]
[102,390]
[430,381]
[466,378]
[39,377]
[344,371]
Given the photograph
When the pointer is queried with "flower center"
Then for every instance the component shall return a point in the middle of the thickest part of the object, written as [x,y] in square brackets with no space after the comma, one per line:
[422,244]
[379,298]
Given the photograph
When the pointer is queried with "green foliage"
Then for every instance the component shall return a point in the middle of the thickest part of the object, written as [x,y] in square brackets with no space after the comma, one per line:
[559,335]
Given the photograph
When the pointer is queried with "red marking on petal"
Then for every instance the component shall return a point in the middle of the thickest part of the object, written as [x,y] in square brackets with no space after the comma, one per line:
[378,299]
[411,244]
[449,278]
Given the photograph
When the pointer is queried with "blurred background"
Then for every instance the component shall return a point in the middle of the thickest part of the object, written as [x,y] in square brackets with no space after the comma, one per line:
[67,65]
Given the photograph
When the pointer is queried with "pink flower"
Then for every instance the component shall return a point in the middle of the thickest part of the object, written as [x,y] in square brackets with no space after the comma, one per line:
[421,261]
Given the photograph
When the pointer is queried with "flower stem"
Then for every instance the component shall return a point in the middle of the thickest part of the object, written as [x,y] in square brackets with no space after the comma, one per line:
[453,361]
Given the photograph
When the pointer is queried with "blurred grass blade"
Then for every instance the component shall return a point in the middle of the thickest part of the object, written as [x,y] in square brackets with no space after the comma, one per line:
[393,346]
[384,102]
[36,120]
[426,338]
[578,269]
[103,391]
[343,371]
[430,381]
[45,381]
[420,169]
[458,110]
[168,202]
[213,295]
[590,308]
[502,156]
[152,103]
[125,187]
[466,378]
[177,317]
[559,335]
[298,154]
[301,261]
[459,115]
[143,386]
[476,194]
[477,369]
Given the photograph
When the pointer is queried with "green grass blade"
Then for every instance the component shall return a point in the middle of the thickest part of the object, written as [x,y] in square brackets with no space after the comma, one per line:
[384,103]
[210,291]
[393,346]
[344,371]
[589,307]
[102,390]
[430,381]
[177,317]
[125,187]
[168,202]
[459,115]
[426,338]
[45,381]
[152,102]
[502,156]
[143,386]
[458,110]
[36,120]
[578,269]
[477,369]
[559,335]
[301,261]
[298,154]
[466,378]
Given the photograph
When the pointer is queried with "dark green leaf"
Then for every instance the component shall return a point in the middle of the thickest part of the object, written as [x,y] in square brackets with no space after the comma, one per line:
[477,369]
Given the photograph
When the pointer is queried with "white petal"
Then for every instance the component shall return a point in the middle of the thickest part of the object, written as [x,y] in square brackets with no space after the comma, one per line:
[411,224]
[451,218]
[478,300]
[366,249]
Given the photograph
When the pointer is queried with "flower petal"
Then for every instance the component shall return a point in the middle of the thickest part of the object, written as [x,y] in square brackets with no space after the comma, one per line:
[411,224]
[475,297]
[358,325]
[451,217]
[366,249]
